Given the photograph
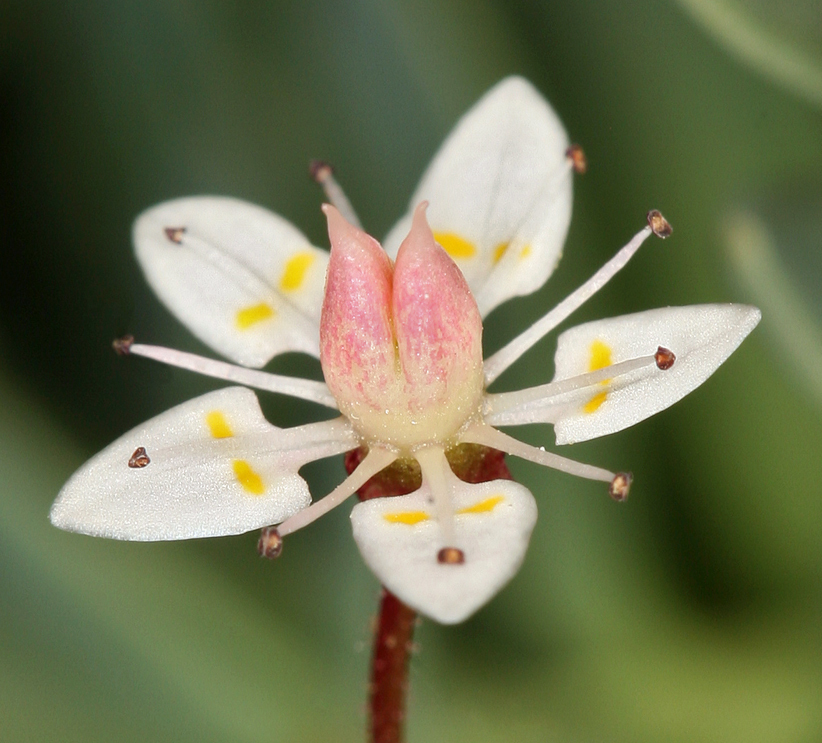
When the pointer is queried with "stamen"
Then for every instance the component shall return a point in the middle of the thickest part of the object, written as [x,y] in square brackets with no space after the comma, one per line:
[437,474]
[375,460]
[306,443]
[577,157]
[508,354]
[660,226]
[506,408]
[620,486]
[323,174]
[305,389]
[232,269]
[139,459]
[122,346]
[270,544]
[664,358]
[488,295]
[450,556]
[247,278]
[488,436]
[175,234]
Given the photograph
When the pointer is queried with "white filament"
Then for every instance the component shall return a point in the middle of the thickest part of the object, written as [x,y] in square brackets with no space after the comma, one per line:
[508,354]
[436,473]
[305,389]
[502,408]
[336,196]
[375,460]
[487,436]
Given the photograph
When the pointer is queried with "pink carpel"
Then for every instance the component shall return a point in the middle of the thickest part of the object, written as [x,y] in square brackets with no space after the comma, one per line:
[401,346]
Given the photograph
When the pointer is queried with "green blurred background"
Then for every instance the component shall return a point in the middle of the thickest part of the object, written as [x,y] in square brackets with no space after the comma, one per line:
[690,613]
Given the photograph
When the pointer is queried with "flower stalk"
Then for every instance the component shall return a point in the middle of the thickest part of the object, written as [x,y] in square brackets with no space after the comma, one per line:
[394,637]
[388,690]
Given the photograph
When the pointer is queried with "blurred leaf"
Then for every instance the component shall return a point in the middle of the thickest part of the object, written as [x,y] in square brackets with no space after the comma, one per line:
[783,41]
[792,315]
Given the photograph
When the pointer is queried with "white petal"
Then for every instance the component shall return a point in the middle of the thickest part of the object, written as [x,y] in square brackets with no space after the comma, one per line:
[245,281]
[399,539]
[501,183]
[700,336]
[215,466]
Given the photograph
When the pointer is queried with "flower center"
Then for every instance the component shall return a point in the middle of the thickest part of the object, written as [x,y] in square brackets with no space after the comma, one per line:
[401,344]
[410,418]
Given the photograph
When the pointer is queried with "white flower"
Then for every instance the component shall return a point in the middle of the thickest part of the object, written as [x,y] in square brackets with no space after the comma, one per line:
[400,347]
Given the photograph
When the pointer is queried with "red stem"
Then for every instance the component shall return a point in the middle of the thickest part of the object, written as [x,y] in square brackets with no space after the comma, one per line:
[394,640]
[389,669]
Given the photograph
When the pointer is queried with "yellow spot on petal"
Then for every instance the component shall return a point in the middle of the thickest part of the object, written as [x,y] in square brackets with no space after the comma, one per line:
[254,314]
[406,517]
[600,358]
[595,402]
[295,270]
[218,425]
[247,477]
[502,248]
[454,245]
[484,506]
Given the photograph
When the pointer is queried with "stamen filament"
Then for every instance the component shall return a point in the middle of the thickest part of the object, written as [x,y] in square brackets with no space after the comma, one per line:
[488,436]
[437,472]
[323,174]
[305,389]
[292,447]
[501,409]
[488,295]
[508,354]
[230,266]
[306,443]
[375,460]
[244,276]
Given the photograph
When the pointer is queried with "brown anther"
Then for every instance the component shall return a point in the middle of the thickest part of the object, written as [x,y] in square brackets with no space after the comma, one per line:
[664,358]
[320,170]
[659,225]
[122,346]
[450,556]
[577,157]
[270,544]
[620,486]
[175,234]
[139,459]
